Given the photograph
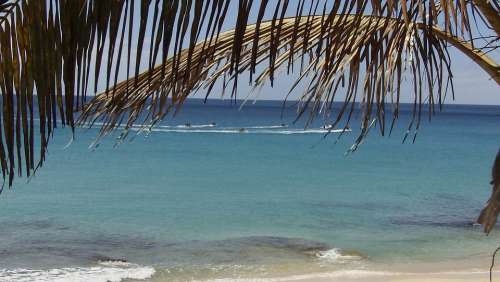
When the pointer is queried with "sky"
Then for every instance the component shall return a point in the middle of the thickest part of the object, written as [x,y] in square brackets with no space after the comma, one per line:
[472,84]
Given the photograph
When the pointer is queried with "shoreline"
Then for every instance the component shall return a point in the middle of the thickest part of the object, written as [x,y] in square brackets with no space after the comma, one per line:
[369,276]
[295,261]
[446,271]
[474,276]
[471,269]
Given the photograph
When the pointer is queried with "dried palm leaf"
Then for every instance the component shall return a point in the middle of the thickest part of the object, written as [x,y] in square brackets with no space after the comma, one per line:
[351,52]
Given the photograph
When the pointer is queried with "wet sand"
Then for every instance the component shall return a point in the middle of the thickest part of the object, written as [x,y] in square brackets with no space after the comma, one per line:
[472,277]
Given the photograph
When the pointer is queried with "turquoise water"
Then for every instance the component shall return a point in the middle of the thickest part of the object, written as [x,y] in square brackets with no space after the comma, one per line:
[213,202]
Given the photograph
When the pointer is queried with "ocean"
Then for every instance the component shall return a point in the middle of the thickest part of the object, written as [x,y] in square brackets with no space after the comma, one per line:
[219,193]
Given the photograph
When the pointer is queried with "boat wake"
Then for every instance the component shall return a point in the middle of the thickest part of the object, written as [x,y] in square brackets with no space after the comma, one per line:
[213,128]
[189,126]
[246,130]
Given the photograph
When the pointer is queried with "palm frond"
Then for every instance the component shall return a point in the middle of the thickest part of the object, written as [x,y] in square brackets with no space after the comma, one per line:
[346,52]
[39,49]
[6,9]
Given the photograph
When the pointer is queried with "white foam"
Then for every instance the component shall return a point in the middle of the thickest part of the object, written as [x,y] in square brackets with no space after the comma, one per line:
[268,126]
[188,126]
[211,128]
[117,263]
[335,255]
[246,131]
[345,274]
[104,272]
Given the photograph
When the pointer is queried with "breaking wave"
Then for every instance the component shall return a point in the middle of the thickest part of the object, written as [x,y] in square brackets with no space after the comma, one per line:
[337,256]
[114,271]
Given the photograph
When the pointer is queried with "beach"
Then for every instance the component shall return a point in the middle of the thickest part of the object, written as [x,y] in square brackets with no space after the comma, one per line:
[458,274]
[400,278]
[411,278]
[128,273]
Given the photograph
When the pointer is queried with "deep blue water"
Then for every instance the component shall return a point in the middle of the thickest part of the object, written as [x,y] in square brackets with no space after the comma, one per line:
[215,202]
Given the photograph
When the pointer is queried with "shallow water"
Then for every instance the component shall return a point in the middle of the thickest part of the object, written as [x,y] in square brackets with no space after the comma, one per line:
[213,201]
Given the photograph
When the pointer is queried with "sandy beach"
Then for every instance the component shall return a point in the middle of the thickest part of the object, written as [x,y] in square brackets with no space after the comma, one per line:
[430,277]
[439,272]
[473,270]
[473,276]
